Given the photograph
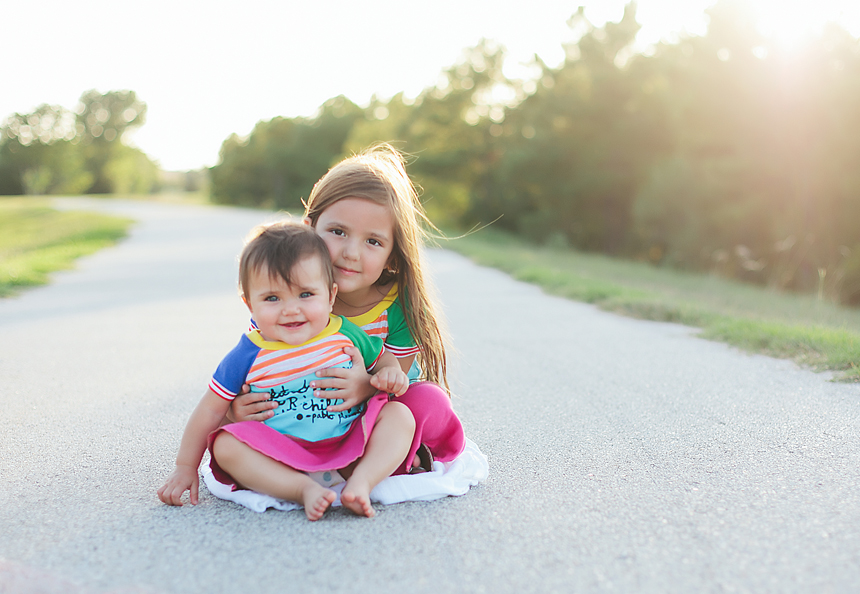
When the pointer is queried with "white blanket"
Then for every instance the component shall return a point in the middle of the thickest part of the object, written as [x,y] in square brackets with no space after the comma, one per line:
[446,479]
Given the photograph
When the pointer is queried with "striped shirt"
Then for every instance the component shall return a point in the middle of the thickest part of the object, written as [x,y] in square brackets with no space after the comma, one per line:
[386,320]
[286,371]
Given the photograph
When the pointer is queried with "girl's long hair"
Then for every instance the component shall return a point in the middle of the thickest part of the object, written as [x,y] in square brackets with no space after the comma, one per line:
[379,175]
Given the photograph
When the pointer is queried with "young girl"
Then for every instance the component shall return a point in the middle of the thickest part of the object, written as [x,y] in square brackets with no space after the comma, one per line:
[367,212]
[287,284]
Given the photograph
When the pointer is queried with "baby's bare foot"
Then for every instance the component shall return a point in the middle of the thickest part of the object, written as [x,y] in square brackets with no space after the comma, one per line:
[317,500]
[356,497]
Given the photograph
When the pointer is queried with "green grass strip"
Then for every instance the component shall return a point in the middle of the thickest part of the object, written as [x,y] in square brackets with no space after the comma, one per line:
[36,240]
[817,334]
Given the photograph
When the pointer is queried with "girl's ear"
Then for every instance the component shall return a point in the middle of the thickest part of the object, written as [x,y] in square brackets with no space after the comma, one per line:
[307,221]
[332,294]
[391,265]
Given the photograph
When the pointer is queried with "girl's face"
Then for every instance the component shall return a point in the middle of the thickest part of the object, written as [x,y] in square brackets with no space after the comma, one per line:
[360,237]
[295,313]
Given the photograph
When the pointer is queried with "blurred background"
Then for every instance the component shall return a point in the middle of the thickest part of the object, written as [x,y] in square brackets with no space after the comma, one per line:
[709,136]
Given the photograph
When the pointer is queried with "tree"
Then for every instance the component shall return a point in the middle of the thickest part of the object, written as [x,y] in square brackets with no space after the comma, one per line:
[762,182]
[450,129]
[39,153]
[102,121]
[576,149]
[281,160]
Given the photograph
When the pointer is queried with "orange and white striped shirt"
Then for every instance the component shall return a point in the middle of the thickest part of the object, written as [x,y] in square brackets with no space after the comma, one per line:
[286,371]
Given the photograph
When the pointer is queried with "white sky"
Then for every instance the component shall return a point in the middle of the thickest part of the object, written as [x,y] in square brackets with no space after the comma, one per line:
[210,68]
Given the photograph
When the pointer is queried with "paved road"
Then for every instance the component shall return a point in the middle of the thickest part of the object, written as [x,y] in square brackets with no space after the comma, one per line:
[625,456]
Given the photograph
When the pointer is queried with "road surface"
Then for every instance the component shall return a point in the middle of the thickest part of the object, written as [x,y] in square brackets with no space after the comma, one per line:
[625,455]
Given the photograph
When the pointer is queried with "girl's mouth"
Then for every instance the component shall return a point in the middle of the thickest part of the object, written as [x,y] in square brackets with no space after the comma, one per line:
[346,271]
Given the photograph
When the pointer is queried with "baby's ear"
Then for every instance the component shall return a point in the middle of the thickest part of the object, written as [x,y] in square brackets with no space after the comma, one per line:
[332,294]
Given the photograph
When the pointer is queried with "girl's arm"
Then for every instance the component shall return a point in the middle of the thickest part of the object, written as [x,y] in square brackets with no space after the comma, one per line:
[251,406]
[350,385]
[406,363]
[205,419]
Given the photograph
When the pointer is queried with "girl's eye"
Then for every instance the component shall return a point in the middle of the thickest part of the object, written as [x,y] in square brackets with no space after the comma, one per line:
[338,232]
[374,242]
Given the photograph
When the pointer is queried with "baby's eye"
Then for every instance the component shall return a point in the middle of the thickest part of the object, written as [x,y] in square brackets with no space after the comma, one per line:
[271,298]
[306,294]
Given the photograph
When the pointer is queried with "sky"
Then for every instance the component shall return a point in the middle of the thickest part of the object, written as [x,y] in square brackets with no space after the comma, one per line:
[208,69]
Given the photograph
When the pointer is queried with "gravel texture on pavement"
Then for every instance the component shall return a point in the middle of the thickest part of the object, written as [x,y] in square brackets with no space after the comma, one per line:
[625,455]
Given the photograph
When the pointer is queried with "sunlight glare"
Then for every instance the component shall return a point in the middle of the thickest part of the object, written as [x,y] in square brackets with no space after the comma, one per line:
[789,25]
[786,24]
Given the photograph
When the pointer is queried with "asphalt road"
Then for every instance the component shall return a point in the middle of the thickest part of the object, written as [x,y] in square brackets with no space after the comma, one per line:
[625,456]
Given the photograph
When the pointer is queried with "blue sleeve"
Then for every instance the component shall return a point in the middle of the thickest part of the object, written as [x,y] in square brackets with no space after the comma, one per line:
[233,369]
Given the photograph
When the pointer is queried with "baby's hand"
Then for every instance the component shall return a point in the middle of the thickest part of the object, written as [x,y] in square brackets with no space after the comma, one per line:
[391,380]
[182,479]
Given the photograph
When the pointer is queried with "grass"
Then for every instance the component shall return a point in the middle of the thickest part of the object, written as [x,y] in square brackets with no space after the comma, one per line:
[818,334]
[36,240]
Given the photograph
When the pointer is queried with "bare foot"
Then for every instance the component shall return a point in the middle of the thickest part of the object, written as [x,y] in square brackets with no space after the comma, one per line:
[356,497]
[317,500]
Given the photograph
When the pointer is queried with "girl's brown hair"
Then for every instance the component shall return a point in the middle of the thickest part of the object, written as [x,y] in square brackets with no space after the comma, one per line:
[379,175]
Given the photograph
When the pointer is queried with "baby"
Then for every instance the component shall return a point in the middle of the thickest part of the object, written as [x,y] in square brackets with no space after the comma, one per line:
[287,284]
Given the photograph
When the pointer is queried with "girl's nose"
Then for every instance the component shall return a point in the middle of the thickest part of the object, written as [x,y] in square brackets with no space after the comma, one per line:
[350,250]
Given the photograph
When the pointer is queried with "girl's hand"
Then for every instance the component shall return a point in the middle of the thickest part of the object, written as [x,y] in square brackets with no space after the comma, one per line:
[251,406]
[391,380]
[351,385]
[182,479]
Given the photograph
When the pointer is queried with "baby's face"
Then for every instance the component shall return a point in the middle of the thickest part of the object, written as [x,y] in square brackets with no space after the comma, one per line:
[295,313]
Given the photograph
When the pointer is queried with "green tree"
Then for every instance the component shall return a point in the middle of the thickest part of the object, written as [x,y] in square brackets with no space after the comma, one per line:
[762,182]
[281,160]
[450,129]
[39,153]
[575,151]
[102,121]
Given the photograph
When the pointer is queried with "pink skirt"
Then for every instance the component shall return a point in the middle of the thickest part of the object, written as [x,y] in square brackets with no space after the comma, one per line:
[438,431]
[309,456]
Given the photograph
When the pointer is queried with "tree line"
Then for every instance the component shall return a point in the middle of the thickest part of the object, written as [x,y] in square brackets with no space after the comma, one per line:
[721,152]
[57,151]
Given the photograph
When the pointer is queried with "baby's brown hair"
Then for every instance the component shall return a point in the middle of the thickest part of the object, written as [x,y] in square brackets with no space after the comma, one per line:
[279,247]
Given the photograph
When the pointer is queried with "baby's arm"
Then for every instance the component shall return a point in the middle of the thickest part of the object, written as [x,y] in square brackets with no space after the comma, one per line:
[205,419]
[388,376]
